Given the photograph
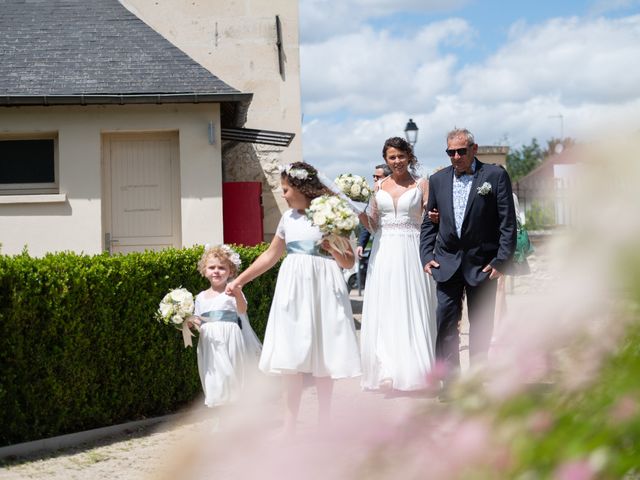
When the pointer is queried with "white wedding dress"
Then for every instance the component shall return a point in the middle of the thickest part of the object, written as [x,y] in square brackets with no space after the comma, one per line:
[399,311]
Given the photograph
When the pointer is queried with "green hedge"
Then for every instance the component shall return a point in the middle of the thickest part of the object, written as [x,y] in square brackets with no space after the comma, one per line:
[79,345]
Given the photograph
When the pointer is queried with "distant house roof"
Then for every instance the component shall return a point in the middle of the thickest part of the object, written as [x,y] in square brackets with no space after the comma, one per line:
[544,173]
[78,52]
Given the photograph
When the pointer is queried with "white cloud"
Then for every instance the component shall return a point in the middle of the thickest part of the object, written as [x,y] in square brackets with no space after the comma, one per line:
[602,6]
[362,87]
[572,58]
[371,71]
[323,19]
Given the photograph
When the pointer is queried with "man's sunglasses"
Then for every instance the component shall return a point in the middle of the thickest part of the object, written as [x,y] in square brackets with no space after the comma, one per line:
[460,151]
[377,177]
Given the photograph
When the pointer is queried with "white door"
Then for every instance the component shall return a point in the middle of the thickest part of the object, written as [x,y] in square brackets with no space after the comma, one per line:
[142,197]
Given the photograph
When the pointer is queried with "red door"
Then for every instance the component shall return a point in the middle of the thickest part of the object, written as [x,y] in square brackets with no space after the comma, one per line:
[242,213]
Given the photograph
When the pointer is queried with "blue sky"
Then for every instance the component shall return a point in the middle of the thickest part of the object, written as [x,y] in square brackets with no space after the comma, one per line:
[506,71]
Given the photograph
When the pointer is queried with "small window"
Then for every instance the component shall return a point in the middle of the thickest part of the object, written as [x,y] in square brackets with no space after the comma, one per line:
[28,165]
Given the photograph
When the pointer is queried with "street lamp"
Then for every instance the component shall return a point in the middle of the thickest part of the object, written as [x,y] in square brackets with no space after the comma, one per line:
[411,132]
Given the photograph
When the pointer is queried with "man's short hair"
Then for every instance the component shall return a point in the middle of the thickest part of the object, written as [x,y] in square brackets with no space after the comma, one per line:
[385,168]
[461,132]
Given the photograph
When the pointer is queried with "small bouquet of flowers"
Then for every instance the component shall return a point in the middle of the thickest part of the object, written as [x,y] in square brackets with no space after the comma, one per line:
[354,186]
[174,309]
[332,215]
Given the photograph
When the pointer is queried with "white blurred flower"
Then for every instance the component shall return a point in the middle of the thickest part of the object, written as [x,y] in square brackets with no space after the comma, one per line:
[319,219]
[484,189]
[165,309]
[332,215]
[299,173]
[175,307]
[353,186]
[233,256]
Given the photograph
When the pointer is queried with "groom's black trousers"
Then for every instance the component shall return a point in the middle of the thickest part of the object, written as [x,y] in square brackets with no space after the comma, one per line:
[481,302]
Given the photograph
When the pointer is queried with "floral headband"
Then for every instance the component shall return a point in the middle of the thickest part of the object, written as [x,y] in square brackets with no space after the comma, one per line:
[299,173]
[232,255]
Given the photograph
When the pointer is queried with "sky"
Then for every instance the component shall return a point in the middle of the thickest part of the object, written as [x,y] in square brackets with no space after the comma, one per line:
[507,71]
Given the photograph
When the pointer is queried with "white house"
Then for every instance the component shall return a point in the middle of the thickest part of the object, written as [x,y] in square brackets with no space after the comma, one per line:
[111,138]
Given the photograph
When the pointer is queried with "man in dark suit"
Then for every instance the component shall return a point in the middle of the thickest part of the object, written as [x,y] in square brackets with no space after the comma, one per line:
[470,246]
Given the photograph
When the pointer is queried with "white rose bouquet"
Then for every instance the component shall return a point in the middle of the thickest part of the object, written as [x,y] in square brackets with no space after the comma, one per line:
[354,186]
[174,309]
[334,218]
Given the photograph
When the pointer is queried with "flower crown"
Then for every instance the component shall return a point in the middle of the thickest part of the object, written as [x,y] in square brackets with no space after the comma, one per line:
[299,173]
[232,255]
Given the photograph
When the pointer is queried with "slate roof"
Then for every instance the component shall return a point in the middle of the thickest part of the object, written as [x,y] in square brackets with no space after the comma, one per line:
[95,51]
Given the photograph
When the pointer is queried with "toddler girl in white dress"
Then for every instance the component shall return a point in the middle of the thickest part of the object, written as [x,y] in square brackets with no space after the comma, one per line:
[227,346]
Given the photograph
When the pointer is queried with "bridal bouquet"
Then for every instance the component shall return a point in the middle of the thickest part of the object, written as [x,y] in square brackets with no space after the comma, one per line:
[354,186]
[174,309]
[334,218]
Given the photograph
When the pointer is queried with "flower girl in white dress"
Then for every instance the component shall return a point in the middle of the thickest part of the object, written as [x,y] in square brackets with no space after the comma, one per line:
[227,347]
[310,327]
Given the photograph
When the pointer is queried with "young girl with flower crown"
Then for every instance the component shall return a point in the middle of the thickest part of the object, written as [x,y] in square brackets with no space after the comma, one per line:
[227,347]
[310,328]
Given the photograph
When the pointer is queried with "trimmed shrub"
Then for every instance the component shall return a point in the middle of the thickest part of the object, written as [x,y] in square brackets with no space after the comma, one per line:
[80,347]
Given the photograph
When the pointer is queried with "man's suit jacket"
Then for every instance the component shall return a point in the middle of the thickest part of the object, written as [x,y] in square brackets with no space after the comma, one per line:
[364,237]
[488,228]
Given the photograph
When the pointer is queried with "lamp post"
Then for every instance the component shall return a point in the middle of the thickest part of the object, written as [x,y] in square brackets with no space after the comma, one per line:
[411,132]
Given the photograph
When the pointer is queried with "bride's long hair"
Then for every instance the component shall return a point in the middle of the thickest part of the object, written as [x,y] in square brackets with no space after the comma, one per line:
[401,144]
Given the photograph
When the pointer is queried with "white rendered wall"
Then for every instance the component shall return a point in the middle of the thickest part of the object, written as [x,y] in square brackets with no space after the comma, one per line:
[73,220]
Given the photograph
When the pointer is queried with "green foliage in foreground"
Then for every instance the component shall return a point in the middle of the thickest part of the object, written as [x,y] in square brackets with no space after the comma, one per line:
[592,430]
[597,429]
[79,345]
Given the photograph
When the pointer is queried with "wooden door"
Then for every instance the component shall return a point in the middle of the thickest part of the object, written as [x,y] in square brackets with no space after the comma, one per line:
[142,192]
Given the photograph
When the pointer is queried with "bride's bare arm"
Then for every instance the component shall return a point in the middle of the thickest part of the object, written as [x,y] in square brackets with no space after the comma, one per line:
[369,218]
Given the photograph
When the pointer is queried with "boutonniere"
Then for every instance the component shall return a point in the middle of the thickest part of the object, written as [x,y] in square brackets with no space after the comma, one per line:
[484,189]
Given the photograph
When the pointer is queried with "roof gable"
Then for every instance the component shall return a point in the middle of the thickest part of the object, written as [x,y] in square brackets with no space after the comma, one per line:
[84,48]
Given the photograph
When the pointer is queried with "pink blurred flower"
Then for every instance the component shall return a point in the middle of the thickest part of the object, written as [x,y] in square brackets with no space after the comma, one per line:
[575,470]
[624,409]
[540,422]
[471,440]
[438,373]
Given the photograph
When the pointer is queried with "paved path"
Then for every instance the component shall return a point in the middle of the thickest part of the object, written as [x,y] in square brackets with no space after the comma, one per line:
[145,452]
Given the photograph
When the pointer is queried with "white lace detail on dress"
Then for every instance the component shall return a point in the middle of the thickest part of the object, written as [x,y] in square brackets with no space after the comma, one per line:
[399,225]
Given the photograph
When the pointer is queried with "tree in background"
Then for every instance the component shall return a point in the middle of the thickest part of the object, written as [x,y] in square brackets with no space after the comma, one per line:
[558,145]
[524,160]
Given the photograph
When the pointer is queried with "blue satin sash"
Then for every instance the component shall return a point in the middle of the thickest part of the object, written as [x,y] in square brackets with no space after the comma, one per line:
[305,247]
[221,316]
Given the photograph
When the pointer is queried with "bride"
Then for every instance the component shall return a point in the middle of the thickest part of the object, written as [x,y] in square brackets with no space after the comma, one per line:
[398,314]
